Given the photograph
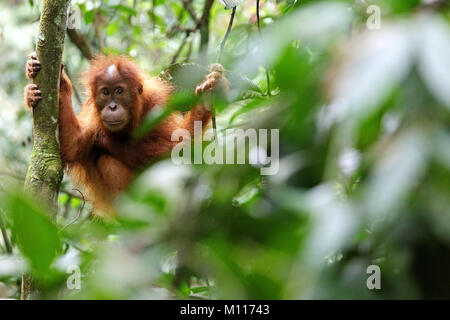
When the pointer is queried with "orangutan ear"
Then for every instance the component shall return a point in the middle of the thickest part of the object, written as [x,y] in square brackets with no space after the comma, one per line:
[140,89]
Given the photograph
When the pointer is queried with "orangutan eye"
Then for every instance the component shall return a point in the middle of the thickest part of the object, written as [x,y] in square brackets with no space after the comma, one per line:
[119,90]
[105,91]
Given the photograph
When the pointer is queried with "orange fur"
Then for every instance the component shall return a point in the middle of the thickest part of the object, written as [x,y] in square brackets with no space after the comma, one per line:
[101,162]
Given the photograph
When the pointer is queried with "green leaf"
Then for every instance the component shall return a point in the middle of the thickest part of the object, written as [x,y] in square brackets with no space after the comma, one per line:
[183,101]
[112,28]
[249,192]
[373,68]
[251,105]
[434,56]
[125,9]
[35,235]
[137,31]
[185,75]
[151,120]
[62,198]
[89,16]
[75,203]
[241,82]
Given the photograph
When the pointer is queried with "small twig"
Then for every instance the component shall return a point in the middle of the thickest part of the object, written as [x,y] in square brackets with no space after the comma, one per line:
[177,28]
[227,33]
[70,194]
[74,88]
[219,57]
[79,210]
[134,7]
[180,48]
[22,178]
[152,15]
[214,124]
[189,52]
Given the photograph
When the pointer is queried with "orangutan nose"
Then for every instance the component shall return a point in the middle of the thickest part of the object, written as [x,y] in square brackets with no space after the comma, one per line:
[112,106]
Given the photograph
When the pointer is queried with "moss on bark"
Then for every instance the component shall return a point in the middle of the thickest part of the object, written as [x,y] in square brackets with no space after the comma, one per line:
[45,171]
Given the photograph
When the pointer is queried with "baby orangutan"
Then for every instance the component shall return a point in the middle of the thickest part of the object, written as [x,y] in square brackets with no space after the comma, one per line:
[96,146]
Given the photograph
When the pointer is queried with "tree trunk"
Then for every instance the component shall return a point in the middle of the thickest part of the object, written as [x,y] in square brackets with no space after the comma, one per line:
[45,171]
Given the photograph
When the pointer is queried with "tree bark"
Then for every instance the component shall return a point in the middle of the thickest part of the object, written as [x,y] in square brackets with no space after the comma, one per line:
[45,171]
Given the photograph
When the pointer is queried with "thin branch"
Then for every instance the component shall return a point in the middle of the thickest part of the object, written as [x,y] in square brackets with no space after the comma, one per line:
[180,48]
[189,52]
[152,15]
[188,6]
[81,43]
[70,194]
[177,28]
[97,21]
[79,211]
[204,29]
[75,89]
[219,57]
[257,17]
[227,33]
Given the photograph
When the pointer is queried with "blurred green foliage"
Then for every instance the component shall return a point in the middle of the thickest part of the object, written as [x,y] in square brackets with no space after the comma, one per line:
[364,171]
